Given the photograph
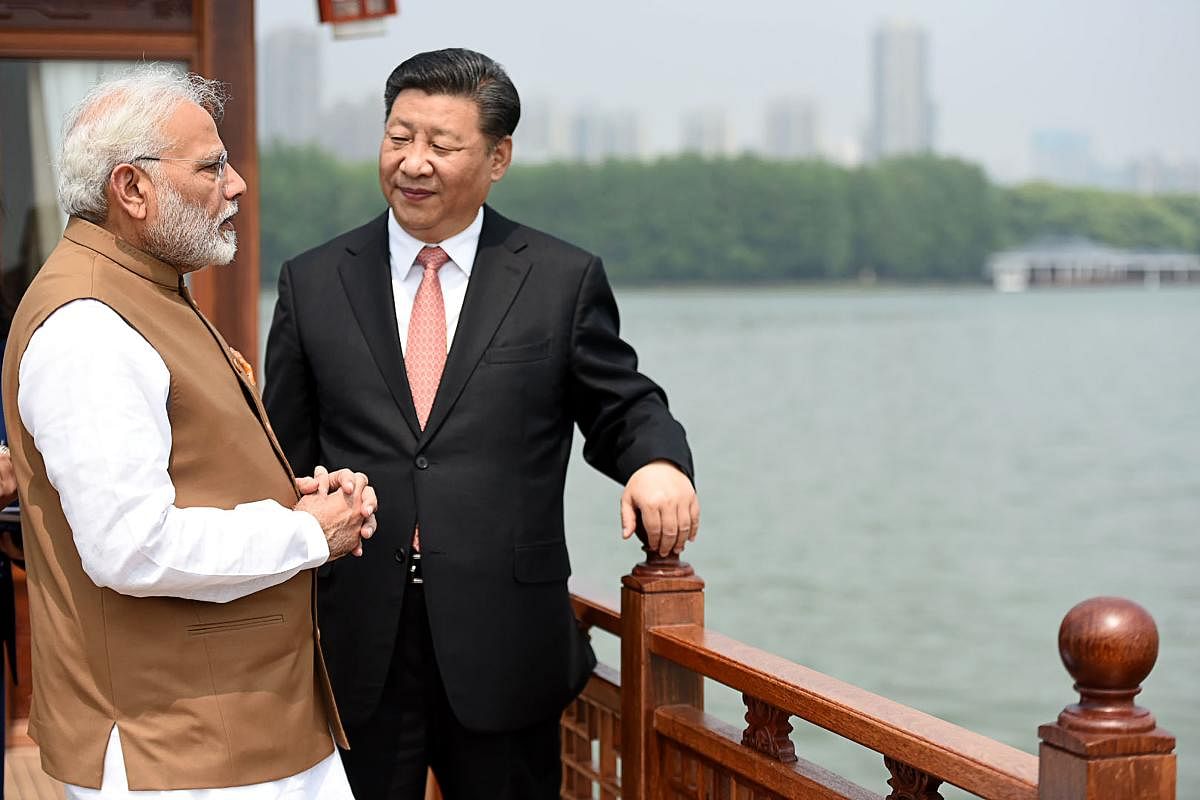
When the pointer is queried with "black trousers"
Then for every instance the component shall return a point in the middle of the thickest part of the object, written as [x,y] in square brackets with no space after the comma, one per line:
[414,728]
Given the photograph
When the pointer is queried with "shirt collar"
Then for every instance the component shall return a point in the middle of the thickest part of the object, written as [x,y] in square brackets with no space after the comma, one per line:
[403,246]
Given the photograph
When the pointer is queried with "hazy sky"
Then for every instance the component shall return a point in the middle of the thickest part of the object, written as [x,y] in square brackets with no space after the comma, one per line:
[1124,72]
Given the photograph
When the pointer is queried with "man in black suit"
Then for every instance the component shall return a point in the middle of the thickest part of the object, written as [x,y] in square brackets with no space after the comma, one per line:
[454,646]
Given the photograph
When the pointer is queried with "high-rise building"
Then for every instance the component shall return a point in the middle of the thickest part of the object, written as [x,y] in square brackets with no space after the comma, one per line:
[289,86]
[846,151]
[790,130]
[707,132]
[1154,174]
[352,129]
[1063,157]
[596,135]
[626,138]
[902,110]
[543,134]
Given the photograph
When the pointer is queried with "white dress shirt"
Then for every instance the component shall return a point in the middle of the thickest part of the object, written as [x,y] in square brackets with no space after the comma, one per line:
[453,276]
[93,395]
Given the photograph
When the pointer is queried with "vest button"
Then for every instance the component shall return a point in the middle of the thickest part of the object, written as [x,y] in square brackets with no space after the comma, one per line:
[399,554]
[422,462]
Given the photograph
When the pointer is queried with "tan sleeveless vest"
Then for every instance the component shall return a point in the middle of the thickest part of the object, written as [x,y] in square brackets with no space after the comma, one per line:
[204,695]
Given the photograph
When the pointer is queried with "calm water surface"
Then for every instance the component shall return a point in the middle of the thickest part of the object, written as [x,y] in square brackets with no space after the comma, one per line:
[907,489]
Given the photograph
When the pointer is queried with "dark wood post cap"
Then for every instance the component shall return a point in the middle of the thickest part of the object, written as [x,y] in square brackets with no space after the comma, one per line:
[657,566]
[1108,645]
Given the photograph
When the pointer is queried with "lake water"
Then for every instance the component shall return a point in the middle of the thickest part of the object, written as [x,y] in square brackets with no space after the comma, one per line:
[907,489]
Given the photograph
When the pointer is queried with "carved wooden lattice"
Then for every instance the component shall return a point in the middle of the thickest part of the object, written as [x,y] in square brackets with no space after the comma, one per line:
[591,743]
[689,776]
[768,729]
[909,783]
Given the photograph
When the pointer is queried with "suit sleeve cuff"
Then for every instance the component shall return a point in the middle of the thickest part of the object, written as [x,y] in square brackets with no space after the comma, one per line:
[637,457]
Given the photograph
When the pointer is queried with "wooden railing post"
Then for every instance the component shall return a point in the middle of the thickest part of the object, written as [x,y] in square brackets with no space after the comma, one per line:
[659,591]
[1104,747]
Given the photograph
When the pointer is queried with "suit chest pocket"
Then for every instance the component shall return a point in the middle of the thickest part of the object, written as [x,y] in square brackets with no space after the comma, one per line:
[517,353]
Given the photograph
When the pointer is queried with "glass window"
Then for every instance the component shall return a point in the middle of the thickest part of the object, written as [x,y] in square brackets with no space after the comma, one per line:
[34,96]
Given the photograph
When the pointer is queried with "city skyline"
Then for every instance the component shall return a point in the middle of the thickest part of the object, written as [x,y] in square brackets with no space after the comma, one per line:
[902,111]
[1118,72]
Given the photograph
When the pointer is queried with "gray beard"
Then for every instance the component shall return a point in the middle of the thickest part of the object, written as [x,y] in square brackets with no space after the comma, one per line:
[186,236]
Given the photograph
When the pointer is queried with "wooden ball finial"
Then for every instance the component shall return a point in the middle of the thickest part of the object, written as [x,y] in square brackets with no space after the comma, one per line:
[656,566]
[1108,645]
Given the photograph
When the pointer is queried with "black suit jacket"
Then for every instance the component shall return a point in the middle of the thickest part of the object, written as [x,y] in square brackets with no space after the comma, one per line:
[536,352]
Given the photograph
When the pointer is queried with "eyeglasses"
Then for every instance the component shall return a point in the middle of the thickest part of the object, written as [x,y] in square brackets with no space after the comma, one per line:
[219,164]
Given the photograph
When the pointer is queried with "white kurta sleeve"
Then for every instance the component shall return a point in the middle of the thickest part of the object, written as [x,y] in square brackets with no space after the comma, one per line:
[93,395]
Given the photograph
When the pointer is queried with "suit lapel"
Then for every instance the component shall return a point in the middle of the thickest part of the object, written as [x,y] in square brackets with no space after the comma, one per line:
[367,279]
[496,277]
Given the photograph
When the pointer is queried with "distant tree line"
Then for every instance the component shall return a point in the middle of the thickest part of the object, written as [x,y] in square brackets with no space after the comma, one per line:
[748,220]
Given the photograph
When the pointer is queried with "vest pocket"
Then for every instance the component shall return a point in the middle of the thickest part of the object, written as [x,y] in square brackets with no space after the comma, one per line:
[209,628]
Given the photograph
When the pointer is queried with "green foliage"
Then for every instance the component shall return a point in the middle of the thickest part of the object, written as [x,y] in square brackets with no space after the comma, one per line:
[746,219]
[687,219]
[308,197]
[1039,210]
[924,218]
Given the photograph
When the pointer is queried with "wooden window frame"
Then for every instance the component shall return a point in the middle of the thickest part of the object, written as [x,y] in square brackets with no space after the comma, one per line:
[220,46]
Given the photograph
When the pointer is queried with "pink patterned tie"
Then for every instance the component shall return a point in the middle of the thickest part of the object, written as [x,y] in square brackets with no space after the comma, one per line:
[426,354]
[425,357]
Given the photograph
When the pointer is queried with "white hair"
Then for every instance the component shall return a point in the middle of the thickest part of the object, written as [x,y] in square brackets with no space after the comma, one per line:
[118,121]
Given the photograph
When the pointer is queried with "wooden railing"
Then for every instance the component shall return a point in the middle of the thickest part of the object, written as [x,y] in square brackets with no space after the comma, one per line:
[643,734]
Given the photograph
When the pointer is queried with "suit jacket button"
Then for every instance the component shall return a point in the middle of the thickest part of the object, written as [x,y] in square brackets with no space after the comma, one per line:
[399,554]
[422,462]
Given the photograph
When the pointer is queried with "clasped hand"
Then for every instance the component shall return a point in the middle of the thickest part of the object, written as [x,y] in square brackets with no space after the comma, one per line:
[343,504]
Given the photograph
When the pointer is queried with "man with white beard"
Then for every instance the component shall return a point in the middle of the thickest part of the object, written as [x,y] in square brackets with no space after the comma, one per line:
[170,548]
